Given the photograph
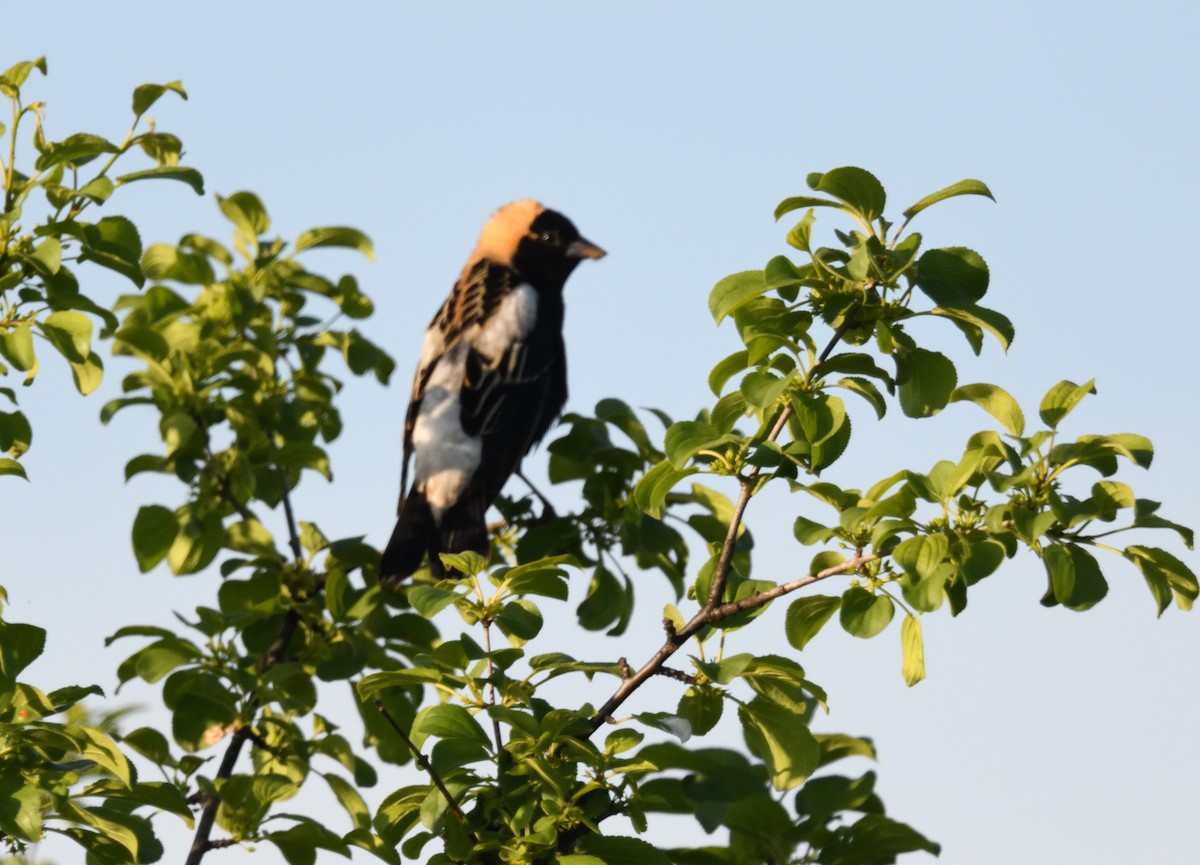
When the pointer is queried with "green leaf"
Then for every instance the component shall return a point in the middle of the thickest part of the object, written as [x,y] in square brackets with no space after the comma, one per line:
[372,685]
[762,388]
[727,369]
[678,727]
[926,380]
[78,149]
[519,620]
[20,646]
[865,388]
[913,647]
[701,707]
[963,187]
[48,255]
[806,616]
[162,261]
[996,401]
[150,743]
[856,186]
[685,438]
[616,850]
[304,455]
[190,176]
[196,544]
[428,601]
[542,577]
[875,839]
[782,740]
[70,332]
[735,290]
[448,721]
[99,189]
[650,493]
[347,794]
[864,614]
[20,804]
[796,202]
[146,95]
[606,604]
[15,75]
[248,536]
[101,749]
[88,374]
[979,317]
[1075,577]
[16,346]
[336,235]
[352,302]
[923,555]
[246,211]
[1144,516]
[201,719]
[952,277]
[151,663]
[1164,574]
[15,433]
[154,531]
[801,234]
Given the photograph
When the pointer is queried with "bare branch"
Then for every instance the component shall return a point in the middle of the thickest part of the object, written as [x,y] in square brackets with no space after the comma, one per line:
[422,761]
[293,535]
[200,843]
[677,675]
[754,601]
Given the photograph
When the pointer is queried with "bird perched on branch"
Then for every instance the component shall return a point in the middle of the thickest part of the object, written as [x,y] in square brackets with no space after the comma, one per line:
[491,380]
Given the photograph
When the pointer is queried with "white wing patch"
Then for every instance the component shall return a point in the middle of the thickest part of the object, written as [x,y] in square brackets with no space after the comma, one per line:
[445,456]
[512,321]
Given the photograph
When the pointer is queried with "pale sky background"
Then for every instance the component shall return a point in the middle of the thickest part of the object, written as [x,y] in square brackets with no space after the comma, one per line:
[668,132]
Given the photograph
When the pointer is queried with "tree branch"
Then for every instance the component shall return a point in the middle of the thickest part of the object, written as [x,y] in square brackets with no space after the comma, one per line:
[707,617]
[422,761]
[713,610]
[201,843]
[293,535]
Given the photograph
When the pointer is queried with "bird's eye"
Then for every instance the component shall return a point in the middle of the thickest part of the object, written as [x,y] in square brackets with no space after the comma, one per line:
[549,237]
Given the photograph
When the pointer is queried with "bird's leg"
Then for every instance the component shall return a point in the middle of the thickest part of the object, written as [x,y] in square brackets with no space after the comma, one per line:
[548,512]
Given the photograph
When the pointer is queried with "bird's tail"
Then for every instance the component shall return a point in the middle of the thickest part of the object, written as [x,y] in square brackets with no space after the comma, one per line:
[463,528]
[415,534]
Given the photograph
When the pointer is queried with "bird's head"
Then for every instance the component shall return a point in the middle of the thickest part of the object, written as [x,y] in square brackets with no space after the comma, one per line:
[540,244]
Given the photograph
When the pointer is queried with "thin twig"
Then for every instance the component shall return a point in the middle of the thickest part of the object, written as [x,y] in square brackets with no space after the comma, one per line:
[757,600]
[293,535]
[422,761]
[708,617]
[725,561]
[713,610]
[677,675]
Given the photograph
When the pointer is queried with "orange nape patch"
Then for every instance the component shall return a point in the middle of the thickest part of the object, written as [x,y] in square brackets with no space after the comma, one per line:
[501,234]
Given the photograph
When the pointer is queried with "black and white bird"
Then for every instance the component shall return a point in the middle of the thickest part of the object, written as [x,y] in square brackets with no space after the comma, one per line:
[491,381]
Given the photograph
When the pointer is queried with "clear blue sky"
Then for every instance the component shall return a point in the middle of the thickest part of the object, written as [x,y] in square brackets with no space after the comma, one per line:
[668,132]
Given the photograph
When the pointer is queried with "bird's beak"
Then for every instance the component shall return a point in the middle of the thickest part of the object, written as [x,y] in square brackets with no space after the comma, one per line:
[584,249]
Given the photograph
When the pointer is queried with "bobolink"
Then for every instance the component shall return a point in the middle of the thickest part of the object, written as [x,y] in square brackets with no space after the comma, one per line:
[491,380]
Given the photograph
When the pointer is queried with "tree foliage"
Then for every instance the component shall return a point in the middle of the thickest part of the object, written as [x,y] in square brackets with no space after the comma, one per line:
[238,351]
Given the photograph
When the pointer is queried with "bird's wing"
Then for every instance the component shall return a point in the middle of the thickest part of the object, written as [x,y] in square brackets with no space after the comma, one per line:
[510,402]
[475,296]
